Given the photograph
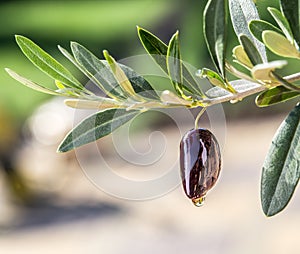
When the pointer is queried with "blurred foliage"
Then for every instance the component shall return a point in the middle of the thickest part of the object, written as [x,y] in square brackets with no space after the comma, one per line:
[101,25]
[97,24]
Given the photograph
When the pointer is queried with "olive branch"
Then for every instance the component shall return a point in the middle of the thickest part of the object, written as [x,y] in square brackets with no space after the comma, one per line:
[127,93]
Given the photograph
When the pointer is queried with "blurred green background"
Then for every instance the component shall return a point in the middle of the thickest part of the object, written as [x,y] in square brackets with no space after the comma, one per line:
[95,24]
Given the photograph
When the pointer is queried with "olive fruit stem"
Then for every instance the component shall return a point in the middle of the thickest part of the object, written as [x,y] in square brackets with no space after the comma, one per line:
[198,117]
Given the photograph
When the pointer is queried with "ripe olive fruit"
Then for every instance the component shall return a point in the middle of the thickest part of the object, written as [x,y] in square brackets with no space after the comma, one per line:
[200,163]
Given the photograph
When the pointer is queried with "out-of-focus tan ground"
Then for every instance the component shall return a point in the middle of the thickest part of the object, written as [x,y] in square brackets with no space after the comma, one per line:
[85,220]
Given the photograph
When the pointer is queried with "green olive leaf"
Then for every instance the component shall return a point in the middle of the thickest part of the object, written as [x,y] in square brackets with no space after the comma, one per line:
[290,9]
[275,95]
[215,79]
[174,63]
[281,169]
[100,73]
[95,69]
[250,50]
[282,23]
[59,85]
[170,98]
[258,26]
[285,83]
[119,74]
[215,30]
[96,126]
[140,85]
[240,86]
[279,45]
[46,63]
[239,74]
[241,57]
[158,50]
[242,12]
[100,103]
[264,71]
[30,83]
[155,47]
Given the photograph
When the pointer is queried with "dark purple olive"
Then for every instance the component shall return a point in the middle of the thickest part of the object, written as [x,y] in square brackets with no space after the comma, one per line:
[200,163]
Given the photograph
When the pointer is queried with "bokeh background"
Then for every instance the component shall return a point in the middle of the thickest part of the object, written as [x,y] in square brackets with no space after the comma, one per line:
[47,205]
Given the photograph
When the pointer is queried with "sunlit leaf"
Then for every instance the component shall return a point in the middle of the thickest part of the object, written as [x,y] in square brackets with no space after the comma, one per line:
[281,169]
[242,12]
[263,71]
[215,30]
[140,85]
[100,73]
[96,126]
[258,26]
[100,103]
[215,79]
[280,45]
[46,63]
[119,74]
[96,70]
[275,95]
[290,9]
[241,57]
[282,23]
[59,84]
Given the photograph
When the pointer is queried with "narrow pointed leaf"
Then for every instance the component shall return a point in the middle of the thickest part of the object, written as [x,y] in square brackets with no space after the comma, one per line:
[99,72]
[96,126]
[59,85]
[30,83]
[189,82]
[215,29]
[281,169]
[87,73]
[155,47]
[275,95]
[264,71]
[285,83]
[100,103]
[216,80]
[46,63]
[241,57]
[174,63]
[96,71]
[290,9]
[258,26]
[282,23]
[158,51]
[171,98]
[237,73]
[279,45]
[140,85]
[251,50]
[242,12]
[119,74]
[240,86]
